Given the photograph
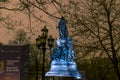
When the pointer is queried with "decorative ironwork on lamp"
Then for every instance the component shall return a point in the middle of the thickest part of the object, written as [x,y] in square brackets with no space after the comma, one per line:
[50,41]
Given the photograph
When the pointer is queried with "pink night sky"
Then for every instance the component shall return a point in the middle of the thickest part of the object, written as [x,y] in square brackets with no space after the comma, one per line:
[6,35]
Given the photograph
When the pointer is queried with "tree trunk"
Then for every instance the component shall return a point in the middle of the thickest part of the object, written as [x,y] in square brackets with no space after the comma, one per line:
[116,68]
[117,71]
[36,64]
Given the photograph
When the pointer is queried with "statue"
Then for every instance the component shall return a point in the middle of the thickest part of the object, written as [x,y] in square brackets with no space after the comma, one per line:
[63,58]
[64,50]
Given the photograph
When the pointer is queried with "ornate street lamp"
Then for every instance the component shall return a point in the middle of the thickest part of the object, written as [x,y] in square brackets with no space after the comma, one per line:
[44,32]
[38,41]
[41,44]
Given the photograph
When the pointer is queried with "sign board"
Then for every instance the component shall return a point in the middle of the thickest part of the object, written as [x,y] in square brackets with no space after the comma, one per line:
[14,62]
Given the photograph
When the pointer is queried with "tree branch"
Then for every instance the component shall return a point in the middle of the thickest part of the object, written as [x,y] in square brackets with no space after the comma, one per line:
[43,10]
[13,9]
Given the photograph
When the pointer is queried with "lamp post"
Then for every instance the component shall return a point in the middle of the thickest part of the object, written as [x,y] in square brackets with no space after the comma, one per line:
[41,42]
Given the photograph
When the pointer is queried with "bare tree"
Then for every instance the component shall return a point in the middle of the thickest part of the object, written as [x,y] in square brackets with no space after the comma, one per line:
[98,29]
[94,24]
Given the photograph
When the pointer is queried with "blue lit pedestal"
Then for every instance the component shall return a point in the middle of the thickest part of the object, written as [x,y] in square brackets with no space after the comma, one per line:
[66,69]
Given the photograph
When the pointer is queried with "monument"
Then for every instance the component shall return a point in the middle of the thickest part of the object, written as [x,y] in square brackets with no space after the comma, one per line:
[14,62]
[63,59]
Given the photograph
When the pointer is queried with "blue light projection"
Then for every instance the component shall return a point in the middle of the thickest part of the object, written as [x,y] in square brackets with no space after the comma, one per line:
[63,58]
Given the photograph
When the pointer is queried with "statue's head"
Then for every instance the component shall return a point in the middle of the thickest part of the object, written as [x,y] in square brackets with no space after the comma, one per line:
[62,23]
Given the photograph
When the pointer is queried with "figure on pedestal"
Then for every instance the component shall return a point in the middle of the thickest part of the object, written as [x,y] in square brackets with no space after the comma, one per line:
[63,58]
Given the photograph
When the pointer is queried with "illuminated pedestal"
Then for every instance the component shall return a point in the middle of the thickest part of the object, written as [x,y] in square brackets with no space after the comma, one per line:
[61,68]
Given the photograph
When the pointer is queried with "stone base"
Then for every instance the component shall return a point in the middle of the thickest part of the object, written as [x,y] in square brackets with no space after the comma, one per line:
[63,68]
